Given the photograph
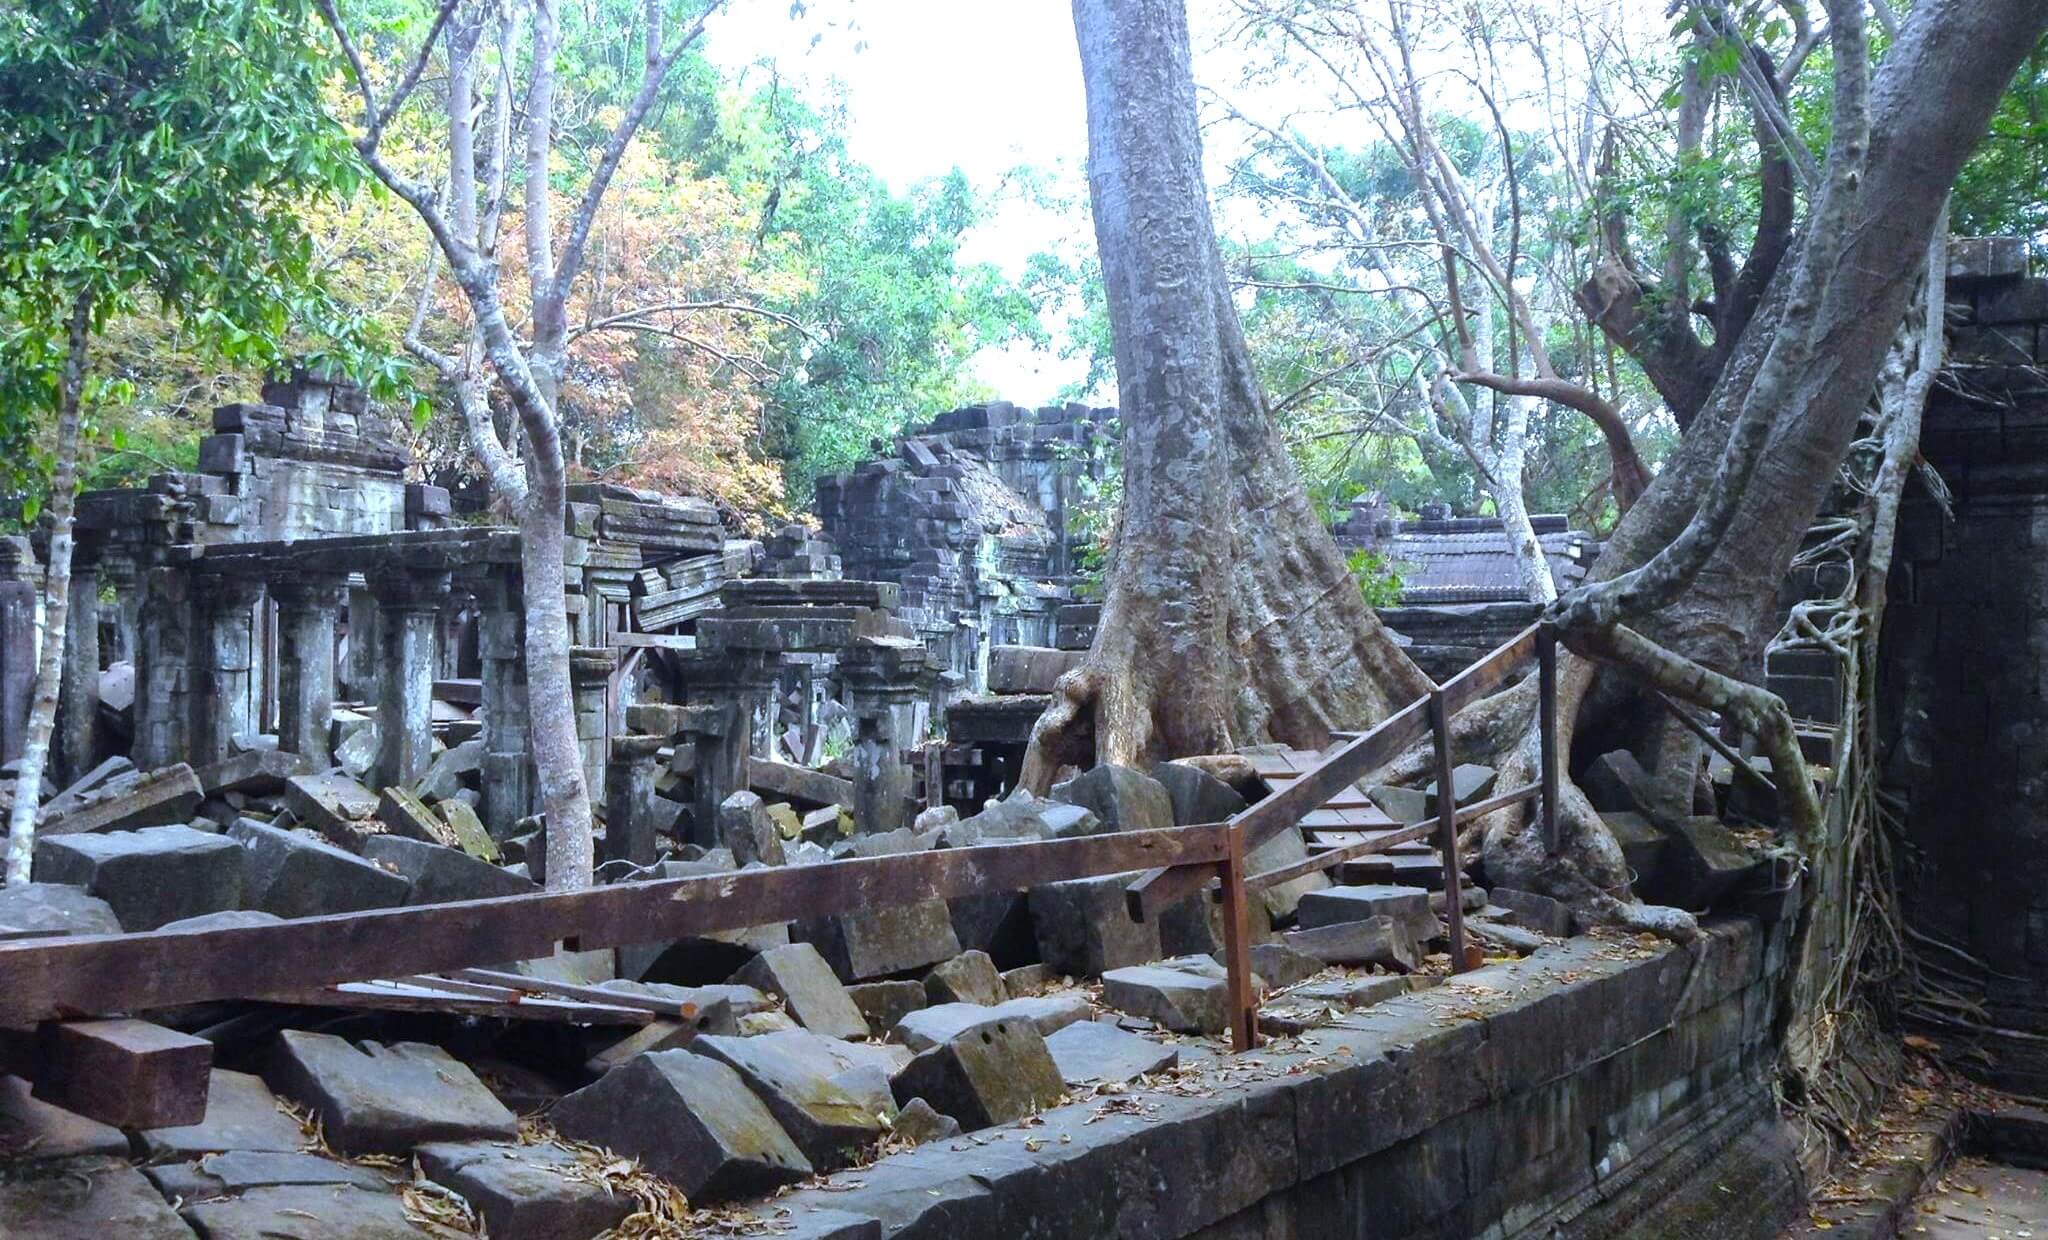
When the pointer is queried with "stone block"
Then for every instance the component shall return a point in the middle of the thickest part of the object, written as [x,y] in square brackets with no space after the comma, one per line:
[377,1098]
[1705,862]
[295,875]
[241,1114]
[1643,847]
[829,1124]
[1021,816]
[237,1171]
[746,830]
[1028,669]
[470,834]
[1091,1052]
[1376,940]
[1469,782]
[1281,965]
[1173,999]
[525,1192]
[126,802]
[334,805]
[1408,906]
[1284,849]
[1616,782]
[1047,1013]
[439,874]
[41,910]
[1403,805]
[84,1199]
[808,987]
[882,1004]
[1084,928]
[32,1130]
[446,774]
[1029,979]
[1196,795]
[1539,913]
[990,1073]
[304,1212]
[147,877]
[883,942]
[689,1119]
[1121,797]
[917,1123]
[969,977]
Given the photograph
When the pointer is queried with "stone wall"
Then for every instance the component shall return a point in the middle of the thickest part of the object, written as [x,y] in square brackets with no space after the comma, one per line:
[1964,688]
[1600,1088]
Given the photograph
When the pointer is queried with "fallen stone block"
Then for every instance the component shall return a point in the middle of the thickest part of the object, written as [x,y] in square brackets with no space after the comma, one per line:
[1029,669]
[883,942]
[1021,816]
[238,1171]
[830,1125]
[1084,928]
[377,1098]
[40,910]
[969,977]
[77,794]
[1499,936]
[1408,906]
[689,1119]
[130,801]
[241,1114]
[1121,797]
[334,805]
[260,772]
[992,1073]
[1047,1013]
[1704,862]
[295,875]
[1196,795]
[1403,805]
[917,1123]
[1284,849]
[444,775]
[1028,979]
[808,987]
[89,1198]
[1170,998]
[470,834]
[439,874]
[32,1130]
[1616,782]
[930,1026]
[406,816]
[148,877]
[1539,913]
[1281,965]
[1376,940]
[1644,848]
[525,1192]
[745,828]
[882,1004]
[304,1212]
[1469,782]
[1092,1052]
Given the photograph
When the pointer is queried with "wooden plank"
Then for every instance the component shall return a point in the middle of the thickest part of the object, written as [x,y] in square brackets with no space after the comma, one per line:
[1491,672]
[798,783]
[570,990]
[1237,959]
[653,641]
[1719,746]
[1385,841]
[1162,889]
[383,996]
[87,974]
[1440,711]
[1546,699]
[128,1073]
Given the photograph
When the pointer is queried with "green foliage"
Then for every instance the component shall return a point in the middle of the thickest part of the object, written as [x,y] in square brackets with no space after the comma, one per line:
[158,154]
[1379,579]
[1999,192]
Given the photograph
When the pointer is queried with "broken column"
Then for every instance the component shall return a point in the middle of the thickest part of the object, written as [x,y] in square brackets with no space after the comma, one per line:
[223,708]
[740,687]
[501,652]
[165,652]
[361,673]
[305,655]
[18,576]
[590,676]
[882,680]
[407,605]
[629,800]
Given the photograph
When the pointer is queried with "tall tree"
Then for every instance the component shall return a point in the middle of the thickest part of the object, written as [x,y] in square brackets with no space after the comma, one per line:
[502,65]
[1687,587]
[155,151]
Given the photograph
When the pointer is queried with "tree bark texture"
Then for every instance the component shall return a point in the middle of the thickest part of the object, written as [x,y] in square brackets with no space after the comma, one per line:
[1230,615]
[42,711]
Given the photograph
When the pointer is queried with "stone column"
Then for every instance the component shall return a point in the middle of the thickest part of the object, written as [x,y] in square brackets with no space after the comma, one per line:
[18,603]
[223,707]
[408,607]
[739,688]
[305,656]
[629,801]
[78,694]
[590,678]
[883,680]
[167,654]
[501,654]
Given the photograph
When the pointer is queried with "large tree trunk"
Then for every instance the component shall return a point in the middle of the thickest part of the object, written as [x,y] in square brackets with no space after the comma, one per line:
[42,711]
[1230,615]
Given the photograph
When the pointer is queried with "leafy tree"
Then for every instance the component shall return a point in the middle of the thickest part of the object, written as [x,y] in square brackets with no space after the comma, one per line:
[156,154]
